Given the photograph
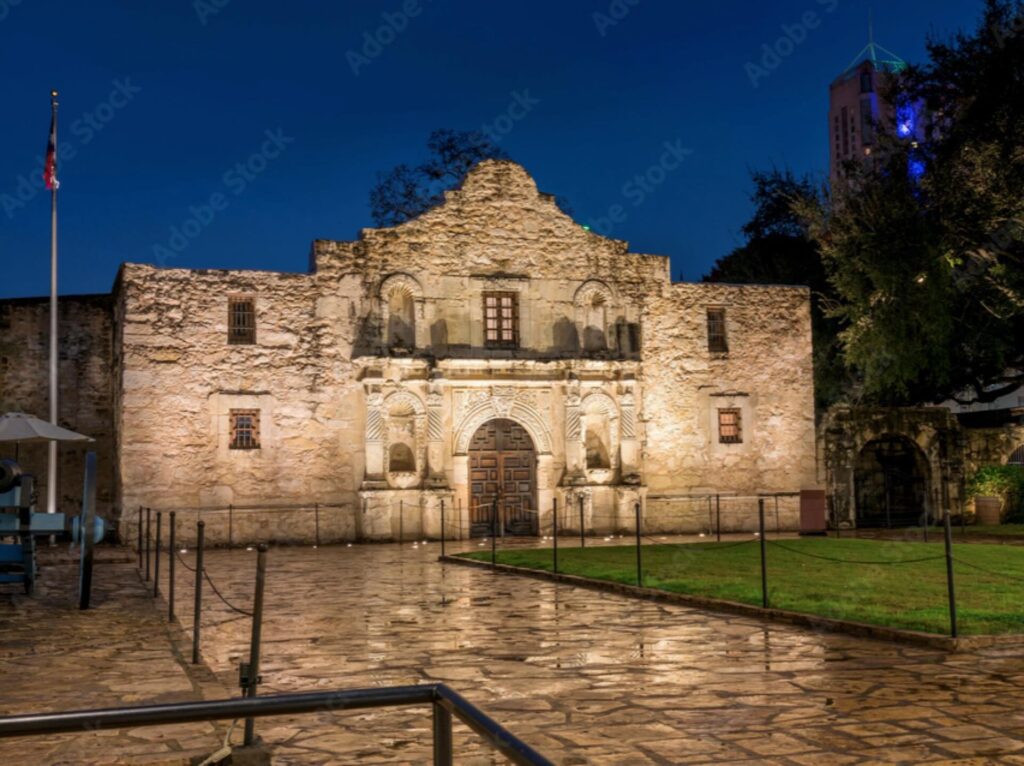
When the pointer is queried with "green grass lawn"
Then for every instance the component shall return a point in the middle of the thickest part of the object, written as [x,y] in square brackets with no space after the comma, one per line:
[903,595]
[1000,530]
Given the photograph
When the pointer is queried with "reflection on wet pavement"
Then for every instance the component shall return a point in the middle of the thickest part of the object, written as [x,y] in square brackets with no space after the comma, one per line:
[591,677]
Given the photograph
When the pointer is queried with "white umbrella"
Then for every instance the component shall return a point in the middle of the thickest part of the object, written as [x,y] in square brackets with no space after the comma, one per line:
[19,427]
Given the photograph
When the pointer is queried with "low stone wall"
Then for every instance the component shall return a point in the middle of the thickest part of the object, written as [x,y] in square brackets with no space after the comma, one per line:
[295,525]
[693,515]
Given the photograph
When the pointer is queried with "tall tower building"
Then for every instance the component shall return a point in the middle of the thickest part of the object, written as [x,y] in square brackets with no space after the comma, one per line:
[857,107]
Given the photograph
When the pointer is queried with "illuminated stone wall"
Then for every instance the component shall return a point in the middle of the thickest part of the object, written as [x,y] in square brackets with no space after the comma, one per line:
[86,389]
[371,375]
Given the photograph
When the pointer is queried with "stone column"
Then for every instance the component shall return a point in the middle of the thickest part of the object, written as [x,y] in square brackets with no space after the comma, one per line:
[435,440]
[375,422]
[630,445]
[574,453]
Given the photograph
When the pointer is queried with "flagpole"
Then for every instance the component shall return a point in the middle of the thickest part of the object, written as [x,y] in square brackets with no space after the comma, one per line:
[51,471]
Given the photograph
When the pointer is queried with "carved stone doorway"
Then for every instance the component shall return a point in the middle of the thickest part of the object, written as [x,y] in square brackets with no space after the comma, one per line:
[502,480]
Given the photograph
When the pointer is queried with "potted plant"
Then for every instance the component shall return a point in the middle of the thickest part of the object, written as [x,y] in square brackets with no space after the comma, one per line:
[998,493]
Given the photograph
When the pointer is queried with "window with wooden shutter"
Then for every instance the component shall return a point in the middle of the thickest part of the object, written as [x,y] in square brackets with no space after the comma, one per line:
[729,426]
[245,429]
[501,320]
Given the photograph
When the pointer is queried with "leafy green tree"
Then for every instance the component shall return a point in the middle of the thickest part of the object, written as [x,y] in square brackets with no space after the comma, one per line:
[925,248]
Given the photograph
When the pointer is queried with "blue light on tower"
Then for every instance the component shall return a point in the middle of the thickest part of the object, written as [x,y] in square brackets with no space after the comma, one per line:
[915,167]
[905,120]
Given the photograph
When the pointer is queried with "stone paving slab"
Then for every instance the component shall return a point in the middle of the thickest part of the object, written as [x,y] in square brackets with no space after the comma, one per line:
[120,652]
[592,677]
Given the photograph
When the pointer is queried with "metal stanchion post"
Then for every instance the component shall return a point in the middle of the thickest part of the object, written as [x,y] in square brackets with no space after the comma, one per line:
[148,538]
[139,520]
[316,521]
[170,568]
[639,562]
[443,749]
[442,526]
[764,567]
[583,541]
[718,518]
[251,671]
[156,555]
[231,525]
[554,530]
[198,607]
[949,575]
[494,532]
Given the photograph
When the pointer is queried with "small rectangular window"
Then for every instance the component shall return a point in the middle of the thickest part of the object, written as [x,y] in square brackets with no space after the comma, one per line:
[729,426]
[245,429]
[718,343]
[241,321]
[501,320]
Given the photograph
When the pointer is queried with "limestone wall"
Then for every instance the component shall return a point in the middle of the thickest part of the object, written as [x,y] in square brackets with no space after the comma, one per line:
[383,344]
[181,378]
[766,374]
[85,333]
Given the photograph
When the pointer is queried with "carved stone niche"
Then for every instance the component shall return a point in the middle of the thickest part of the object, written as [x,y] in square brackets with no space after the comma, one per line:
[404,444]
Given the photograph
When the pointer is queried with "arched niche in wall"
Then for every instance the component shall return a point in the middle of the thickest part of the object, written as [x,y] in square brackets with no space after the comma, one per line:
[594,308]
[599,420]
[401,300]
[405,438]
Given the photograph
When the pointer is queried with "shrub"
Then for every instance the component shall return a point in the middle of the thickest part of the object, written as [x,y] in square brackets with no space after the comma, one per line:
[1003,481]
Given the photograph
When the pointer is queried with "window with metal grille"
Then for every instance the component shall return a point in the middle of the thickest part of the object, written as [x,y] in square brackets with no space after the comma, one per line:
[729,426]
[501,320]
[717,341]
[245,429]
[1017,457]
[241,320]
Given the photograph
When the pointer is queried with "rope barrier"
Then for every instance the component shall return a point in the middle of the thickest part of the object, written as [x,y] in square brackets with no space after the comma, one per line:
[221,597]
[183,563]
[784,547]
[206,576]
[988,571]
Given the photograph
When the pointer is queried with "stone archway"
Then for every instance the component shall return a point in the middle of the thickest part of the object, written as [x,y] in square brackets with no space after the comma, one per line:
[891,483]
[502,480]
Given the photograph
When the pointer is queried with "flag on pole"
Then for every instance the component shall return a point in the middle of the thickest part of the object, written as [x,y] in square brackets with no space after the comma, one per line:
[50,171]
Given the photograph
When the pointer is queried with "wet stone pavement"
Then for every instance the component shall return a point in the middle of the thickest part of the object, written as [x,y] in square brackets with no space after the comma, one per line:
[591,677]
[120,652]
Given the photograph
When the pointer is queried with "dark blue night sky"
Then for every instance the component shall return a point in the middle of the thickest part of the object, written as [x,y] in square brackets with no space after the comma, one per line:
[160,101]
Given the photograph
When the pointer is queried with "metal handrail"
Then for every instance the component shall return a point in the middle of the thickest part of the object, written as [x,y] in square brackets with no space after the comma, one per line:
[445,703]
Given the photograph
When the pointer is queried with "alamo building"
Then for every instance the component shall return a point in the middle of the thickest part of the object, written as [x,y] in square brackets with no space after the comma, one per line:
[491,352]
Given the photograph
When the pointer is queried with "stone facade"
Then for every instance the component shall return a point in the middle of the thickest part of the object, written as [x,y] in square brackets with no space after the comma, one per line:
[372,373]
[86,396]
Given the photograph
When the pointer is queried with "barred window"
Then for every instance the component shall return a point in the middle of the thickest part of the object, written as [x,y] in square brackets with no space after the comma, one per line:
[245,429]
[729,426]
[241,321]
[501,320]
[717,341]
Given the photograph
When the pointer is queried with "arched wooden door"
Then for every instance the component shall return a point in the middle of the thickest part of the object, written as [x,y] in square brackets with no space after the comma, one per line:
[502,469]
